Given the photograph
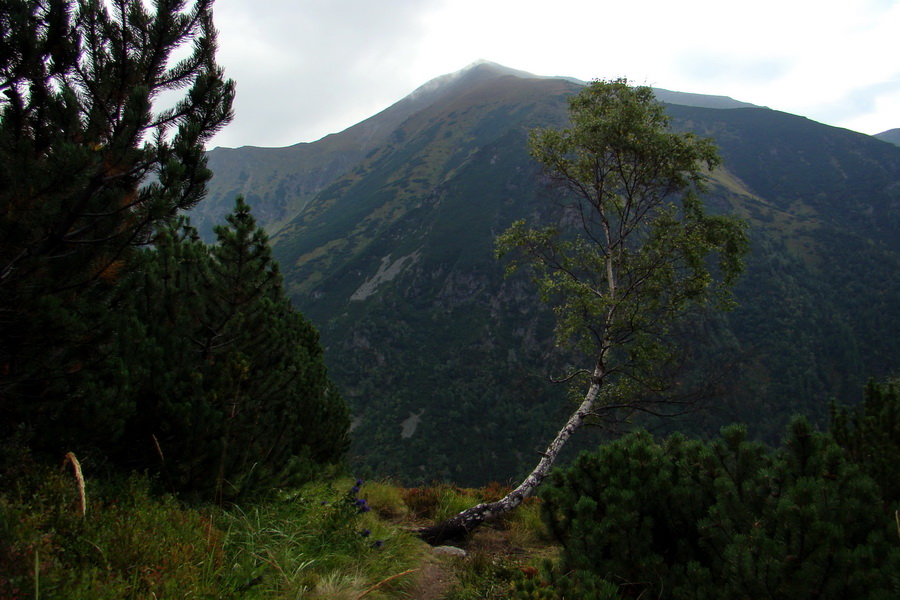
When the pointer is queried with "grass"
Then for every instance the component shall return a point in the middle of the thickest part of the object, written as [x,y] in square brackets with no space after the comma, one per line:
[317,542]
[336,538]
[131,545]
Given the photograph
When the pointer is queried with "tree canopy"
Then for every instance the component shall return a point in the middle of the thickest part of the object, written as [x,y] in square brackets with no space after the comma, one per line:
[90,165]
[870,434]
[232,393]
[633,248]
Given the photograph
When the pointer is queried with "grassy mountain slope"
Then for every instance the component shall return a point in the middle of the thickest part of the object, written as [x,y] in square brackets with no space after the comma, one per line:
[410,233]
[828,202]
[386,243]
[281,181]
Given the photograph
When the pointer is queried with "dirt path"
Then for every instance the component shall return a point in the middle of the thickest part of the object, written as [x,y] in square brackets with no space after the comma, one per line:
[439,573]
[434,579]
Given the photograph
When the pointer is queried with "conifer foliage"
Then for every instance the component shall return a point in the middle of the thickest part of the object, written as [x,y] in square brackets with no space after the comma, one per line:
[728,518]
[123,337]
[235,393]
[80,131]
[870,434]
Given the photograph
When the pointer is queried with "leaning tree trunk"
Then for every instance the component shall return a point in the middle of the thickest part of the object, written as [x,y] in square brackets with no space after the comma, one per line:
[463,523]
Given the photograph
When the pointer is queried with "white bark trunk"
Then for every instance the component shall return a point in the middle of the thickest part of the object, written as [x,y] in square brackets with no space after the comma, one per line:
[463,523]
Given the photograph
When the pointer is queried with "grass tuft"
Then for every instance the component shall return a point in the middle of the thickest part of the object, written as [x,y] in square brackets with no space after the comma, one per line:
[79,481]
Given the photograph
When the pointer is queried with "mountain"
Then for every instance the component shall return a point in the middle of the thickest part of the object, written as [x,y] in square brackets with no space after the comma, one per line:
[385,236]
[280,181]
[891,136]
[699,100]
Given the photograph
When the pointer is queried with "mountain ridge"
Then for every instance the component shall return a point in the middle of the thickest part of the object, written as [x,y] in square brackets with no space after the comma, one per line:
[249,170]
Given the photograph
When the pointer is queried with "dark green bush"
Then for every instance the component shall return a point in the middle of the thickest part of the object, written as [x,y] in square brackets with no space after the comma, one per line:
[723,519]
[229,382]
[870,434]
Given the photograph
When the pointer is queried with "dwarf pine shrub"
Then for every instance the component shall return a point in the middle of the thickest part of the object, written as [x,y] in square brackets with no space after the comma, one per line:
[729,518]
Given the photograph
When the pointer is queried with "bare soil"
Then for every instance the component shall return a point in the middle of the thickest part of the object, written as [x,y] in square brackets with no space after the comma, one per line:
[438,574]
[434,579]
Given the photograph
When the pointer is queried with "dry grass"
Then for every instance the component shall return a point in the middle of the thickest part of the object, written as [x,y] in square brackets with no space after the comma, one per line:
[79,481]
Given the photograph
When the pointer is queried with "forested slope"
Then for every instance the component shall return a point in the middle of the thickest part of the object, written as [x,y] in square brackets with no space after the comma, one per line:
[447,364]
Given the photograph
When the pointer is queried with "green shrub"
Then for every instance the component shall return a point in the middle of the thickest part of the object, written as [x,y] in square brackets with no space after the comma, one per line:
[870,434]
[723,519]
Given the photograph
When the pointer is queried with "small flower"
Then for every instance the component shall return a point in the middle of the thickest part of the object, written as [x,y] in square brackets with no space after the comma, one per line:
[359,483]
[365,533]
[378,543]
[361,505]
[354,490]
[324,502]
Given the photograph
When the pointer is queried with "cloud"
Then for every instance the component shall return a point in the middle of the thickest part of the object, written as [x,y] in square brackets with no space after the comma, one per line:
[863,108]
[305,68]
[729,68]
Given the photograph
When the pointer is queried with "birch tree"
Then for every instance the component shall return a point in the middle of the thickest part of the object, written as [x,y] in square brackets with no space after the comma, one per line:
[632,253]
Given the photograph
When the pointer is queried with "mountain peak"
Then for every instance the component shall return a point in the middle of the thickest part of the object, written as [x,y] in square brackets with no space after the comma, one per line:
[482,70]
[495,69]
[477,71]
[487,68]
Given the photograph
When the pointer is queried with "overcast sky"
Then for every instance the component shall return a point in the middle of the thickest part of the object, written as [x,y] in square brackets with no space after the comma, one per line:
[307,68]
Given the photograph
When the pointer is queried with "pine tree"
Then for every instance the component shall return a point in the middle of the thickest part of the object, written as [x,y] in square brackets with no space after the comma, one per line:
[80,141]
[236,396]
